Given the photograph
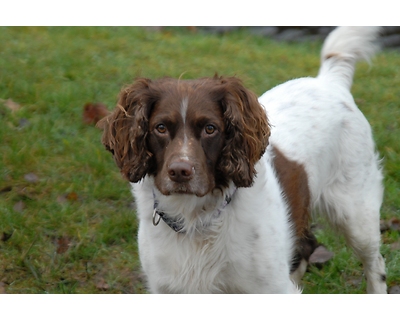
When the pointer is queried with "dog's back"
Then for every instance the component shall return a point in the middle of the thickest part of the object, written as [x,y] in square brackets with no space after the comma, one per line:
[316,123]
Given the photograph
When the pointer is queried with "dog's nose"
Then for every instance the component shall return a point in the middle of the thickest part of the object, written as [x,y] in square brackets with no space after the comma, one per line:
[180,171]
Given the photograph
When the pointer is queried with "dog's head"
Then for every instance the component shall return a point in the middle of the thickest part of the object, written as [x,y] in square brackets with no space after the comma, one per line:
[191,135]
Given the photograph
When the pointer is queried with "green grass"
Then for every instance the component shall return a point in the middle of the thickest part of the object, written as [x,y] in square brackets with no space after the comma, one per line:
[73,229]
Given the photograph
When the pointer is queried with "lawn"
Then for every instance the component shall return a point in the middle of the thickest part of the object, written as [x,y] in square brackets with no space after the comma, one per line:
[67,220]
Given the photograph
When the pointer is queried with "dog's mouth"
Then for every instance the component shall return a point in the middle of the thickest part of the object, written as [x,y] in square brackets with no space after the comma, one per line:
[184,189]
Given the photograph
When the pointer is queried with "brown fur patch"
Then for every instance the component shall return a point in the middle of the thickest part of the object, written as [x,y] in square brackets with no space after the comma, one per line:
[331,55]
[294,182]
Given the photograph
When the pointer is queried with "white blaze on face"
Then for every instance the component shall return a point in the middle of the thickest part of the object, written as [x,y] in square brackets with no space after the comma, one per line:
[184,107]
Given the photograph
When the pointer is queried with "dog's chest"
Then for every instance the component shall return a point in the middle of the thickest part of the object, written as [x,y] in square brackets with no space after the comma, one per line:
[201,266]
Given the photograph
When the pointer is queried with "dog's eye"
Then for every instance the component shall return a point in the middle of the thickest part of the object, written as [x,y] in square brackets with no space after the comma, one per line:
[161,128]
[209,129]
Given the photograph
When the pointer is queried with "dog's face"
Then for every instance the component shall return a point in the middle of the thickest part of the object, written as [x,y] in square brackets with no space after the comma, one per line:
[186,137]
[192,136]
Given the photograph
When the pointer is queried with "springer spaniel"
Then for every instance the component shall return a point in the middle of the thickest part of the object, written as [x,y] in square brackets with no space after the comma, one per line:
[219,211]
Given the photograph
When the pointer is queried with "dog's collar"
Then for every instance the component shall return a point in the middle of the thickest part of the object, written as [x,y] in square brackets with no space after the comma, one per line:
[178,224]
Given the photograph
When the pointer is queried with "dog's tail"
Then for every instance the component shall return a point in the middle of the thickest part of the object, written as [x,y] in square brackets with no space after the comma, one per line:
[343,47]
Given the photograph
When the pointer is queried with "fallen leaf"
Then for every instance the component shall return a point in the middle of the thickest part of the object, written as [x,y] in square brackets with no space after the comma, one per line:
[102,285]
[63,244]
[394,224]
[31,177]
[93,112]
[72,196]
[394,290]
[13,106]
[6,189]
[320,255]
[19,206]
[6,236]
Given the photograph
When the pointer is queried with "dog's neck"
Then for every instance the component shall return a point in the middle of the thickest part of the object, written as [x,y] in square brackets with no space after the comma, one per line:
[193,212]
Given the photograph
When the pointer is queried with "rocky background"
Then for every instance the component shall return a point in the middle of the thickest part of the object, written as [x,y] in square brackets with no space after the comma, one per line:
[390,36]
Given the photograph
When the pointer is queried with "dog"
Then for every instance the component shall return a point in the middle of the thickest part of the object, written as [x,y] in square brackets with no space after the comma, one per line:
[225,182]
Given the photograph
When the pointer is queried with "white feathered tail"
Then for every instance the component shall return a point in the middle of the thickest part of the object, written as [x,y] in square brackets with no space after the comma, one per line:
[343,48]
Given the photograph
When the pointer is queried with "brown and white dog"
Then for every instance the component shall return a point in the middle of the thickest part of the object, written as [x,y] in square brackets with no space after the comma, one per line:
[223,202]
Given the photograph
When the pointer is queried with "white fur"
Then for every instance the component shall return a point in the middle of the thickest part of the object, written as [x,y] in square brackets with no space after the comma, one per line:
[248,247]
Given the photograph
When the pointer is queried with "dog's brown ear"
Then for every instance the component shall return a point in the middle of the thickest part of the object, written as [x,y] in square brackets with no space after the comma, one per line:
[247,130]
[125,130]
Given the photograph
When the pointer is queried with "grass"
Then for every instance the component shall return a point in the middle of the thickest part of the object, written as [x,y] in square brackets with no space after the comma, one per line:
[69,227]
